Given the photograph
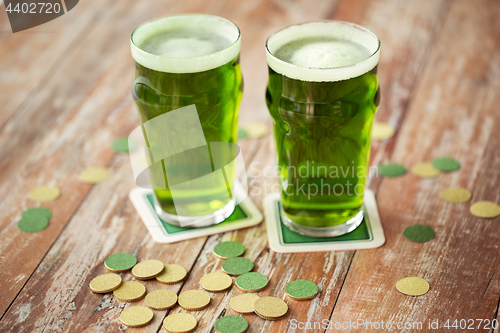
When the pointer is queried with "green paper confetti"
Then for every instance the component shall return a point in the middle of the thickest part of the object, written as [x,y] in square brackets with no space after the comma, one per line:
[37,211]
[419,233]
[231,324]
[229,249]
[302,289]
[252,281]
[121,145]
[391,170]
[242,133]
[34,219]
[120,262]
[237,266]
[446,164]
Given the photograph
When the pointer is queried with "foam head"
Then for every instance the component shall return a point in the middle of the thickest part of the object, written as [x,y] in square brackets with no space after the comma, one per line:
[323,51]
[186,43]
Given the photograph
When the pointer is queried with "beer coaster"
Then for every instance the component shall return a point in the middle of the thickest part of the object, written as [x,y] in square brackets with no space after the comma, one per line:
[245,215]
[34,219]
[105,283]
[180,323]
[243,303]
[120,262]
[194,300]
[412,286]
[130,291]
[302,290]
[382,131]
[45,193]
[231,324]
[369,234]
[216,282]
[172,273]
[237,266]
[255,130]
[93,175]
[229,249]
[425,170]
[123,145]
[161,299]
[136,316]
[446,164]
[148,269]
[270,307]
[485,209]
[419,233]
[391,170]
[252,282]
[456,195]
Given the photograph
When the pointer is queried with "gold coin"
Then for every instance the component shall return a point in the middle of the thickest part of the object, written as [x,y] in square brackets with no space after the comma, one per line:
[180,323]
[413,286]
[93,175]
[172,273]
[148,269]
[485,209]
[382,131]
[243,303]
[45,193]
[216,282]
[256,130]
[130,291]
[425,170]
[105,283]
[194,299]
[161,299]
[456,195]
[136,316]
[270,307]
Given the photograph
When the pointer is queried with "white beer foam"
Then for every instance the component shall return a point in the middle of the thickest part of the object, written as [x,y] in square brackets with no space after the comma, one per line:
[323,51]
[185,43]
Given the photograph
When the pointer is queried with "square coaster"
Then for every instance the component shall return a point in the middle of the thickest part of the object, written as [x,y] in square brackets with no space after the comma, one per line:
[369,234]
[245,215]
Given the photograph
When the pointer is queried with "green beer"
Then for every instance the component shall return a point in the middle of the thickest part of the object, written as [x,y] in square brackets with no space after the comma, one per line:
[323,95]
[184,60]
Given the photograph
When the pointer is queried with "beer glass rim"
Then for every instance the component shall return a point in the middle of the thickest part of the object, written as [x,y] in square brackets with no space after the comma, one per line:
[187,64]
[327,74]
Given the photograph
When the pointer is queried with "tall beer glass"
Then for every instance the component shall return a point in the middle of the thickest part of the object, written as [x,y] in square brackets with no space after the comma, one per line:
[188,63]
[323,95]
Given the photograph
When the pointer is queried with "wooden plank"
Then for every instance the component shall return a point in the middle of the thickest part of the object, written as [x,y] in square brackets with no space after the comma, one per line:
[455,112]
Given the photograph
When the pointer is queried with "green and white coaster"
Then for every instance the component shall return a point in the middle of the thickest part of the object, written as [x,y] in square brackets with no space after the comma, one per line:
[245,215]
[368,235]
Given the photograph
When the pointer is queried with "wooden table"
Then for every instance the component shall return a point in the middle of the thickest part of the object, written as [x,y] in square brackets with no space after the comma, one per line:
[65,95]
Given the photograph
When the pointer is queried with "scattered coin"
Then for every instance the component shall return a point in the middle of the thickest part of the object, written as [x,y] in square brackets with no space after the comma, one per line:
[302,290]
[216,282]
[105,283]
[226,250]
[161,299]
[231,324]
[172,273]
[485,209]
[120,262]
[93,175]
[252,282]
[180,323]
[413,286]
[130,291]
[391,170]
[148,269]
[446,164]
[45,193]
[456,195]
[382,131]
[136,316]
[243,303]
[420,233]
[237,266]
[425,170]
[270,307]
[34,219]
[194,300]
[123,145]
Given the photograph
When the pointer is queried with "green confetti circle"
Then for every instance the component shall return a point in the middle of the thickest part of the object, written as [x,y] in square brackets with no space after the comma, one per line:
[34,219]
[121,145]
[231,324]
[229,249]
[419,233]
[446,164]
[120,262]
[37,211]
[242,133]
[302,289]
[391,170]
[252,281]
[237,266]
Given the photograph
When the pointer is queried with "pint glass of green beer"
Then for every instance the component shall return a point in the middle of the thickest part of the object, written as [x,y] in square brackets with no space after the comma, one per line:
[323,95]
[187,66]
